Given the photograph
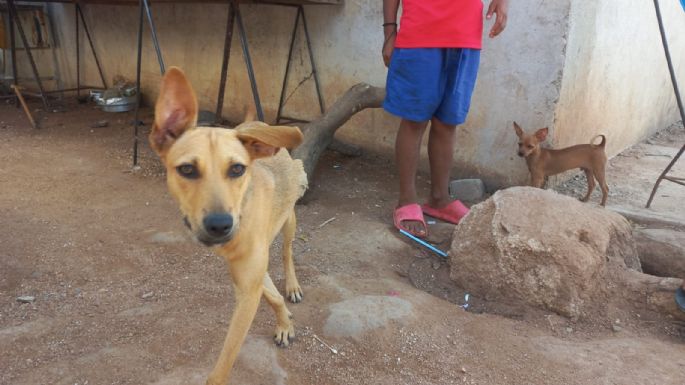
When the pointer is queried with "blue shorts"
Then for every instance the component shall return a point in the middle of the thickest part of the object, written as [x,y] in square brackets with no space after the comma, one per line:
[431,82]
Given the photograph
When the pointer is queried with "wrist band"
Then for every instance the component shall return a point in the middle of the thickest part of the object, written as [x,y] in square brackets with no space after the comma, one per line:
[391,23]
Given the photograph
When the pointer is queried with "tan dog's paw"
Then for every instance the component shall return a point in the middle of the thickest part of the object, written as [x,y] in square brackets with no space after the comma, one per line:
[294,293]
[284,334]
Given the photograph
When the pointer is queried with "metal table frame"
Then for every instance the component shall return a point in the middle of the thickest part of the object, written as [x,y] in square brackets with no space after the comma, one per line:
[42,93]
[234,16]
[664,174]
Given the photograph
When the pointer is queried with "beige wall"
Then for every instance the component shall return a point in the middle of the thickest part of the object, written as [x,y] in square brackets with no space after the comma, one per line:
[580,67]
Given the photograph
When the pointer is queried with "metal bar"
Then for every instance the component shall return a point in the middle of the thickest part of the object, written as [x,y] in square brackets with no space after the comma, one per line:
[92,48]
[140,54]
[248,62]
[26,108]
[78,54]
[13,11]
[311,58]
[677,97]
[287,120]
[679,181]
[13,50]
[287,67]
[73,89]
[224,65]
[153,31]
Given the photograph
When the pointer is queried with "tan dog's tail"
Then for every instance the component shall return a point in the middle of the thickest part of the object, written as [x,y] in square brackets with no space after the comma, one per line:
[250,113]
[602,143]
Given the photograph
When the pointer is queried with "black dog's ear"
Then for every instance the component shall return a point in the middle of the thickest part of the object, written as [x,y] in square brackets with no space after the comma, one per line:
[519,131]
[175,112]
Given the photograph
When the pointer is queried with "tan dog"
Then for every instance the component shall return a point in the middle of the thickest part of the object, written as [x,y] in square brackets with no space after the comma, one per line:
[543,162]
[237,191]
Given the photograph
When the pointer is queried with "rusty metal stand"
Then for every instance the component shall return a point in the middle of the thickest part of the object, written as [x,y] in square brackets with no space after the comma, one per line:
[664,175]
[283,100]
[43,94]
[233,17]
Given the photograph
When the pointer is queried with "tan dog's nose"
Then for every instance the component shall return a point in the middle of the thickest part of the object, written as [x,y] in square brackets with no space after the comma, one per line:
[218,225]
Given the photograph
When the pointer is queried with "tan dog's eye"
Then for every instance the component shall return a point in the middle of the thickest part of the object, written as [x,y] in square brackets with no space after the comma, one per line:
[236,170]
[188,171]
[530,146]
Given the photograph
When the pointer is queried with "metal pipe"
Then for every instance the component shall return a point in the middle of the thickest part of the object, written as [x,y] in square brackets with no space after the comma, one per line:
[248,62]
[224,65]
[72,89]
[78,54]
[311,58]
[13,51]
[13,13]
[677,96]
[140,54]
[287,67]
[153,31]
[92,48]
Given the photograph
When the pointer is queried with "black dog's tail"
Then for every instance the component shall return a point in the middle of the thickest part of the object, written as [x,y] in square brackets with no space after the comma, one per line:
[602,143]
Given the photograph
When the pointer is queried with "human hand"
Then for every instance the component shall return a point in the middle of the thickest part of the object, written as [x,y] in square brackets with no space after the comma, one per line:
[388,46]
[498,7]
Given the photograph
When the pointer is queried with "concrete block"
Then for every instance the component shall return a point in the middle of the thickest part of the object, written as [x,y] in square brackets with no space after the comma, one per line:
[467,189]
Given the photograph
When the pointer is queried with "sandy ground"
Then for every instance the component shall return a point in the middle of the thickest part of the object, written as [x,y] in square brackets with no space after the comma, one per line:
[122,296]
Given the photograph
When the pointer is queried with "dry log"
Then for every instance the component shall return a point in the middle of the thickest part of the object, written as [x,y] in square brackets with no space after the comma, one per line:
[318,134]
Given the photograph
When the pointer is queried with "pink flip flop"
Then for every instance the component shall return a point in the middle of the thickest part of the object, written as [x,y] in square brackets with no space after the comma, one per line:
[411,212]
[451,213]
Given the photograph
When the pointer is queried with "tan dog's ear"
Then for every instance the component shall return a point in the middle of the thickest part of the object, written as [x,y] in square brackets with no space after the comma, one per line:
[518,129]
[262,140]
[175,112]
[541,134]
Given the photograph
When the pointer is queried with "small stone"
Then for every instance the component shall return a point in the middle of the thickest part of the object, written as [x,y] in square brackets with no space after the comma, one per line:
[616,328]
[569,330]
[463,369]
[467,189]
[26,299]
[100,124]
[147,295]
[436,265]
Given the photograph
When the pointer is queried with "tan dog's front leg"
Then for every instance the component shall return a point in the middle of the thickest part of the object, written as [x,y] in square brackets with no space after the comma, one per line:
[292,287]
[248,291]
[285,331]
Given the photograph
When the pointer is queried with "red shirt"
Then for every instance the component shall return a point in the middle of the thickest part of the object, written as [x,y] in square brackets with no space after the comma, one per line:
[441,24]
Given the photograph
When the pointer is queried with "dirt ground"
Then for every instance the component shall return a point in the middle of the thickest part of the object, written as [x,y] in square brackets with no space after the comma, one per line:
[122,296]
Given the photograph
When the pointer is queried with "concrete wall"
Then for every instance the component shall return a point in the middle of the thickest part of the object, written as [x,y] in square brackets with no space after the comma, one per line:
[580,67]
[616,79]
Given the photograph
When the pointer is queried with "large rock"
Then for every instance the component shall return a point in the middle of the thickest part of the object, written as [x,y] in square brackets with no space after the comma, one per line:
[543,248]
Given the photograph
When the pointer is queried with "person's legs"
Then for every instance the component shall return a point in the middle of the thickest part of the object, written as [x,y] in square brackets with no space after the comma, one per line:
[440,155]
[407,150]
[460,71]
[414,90]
